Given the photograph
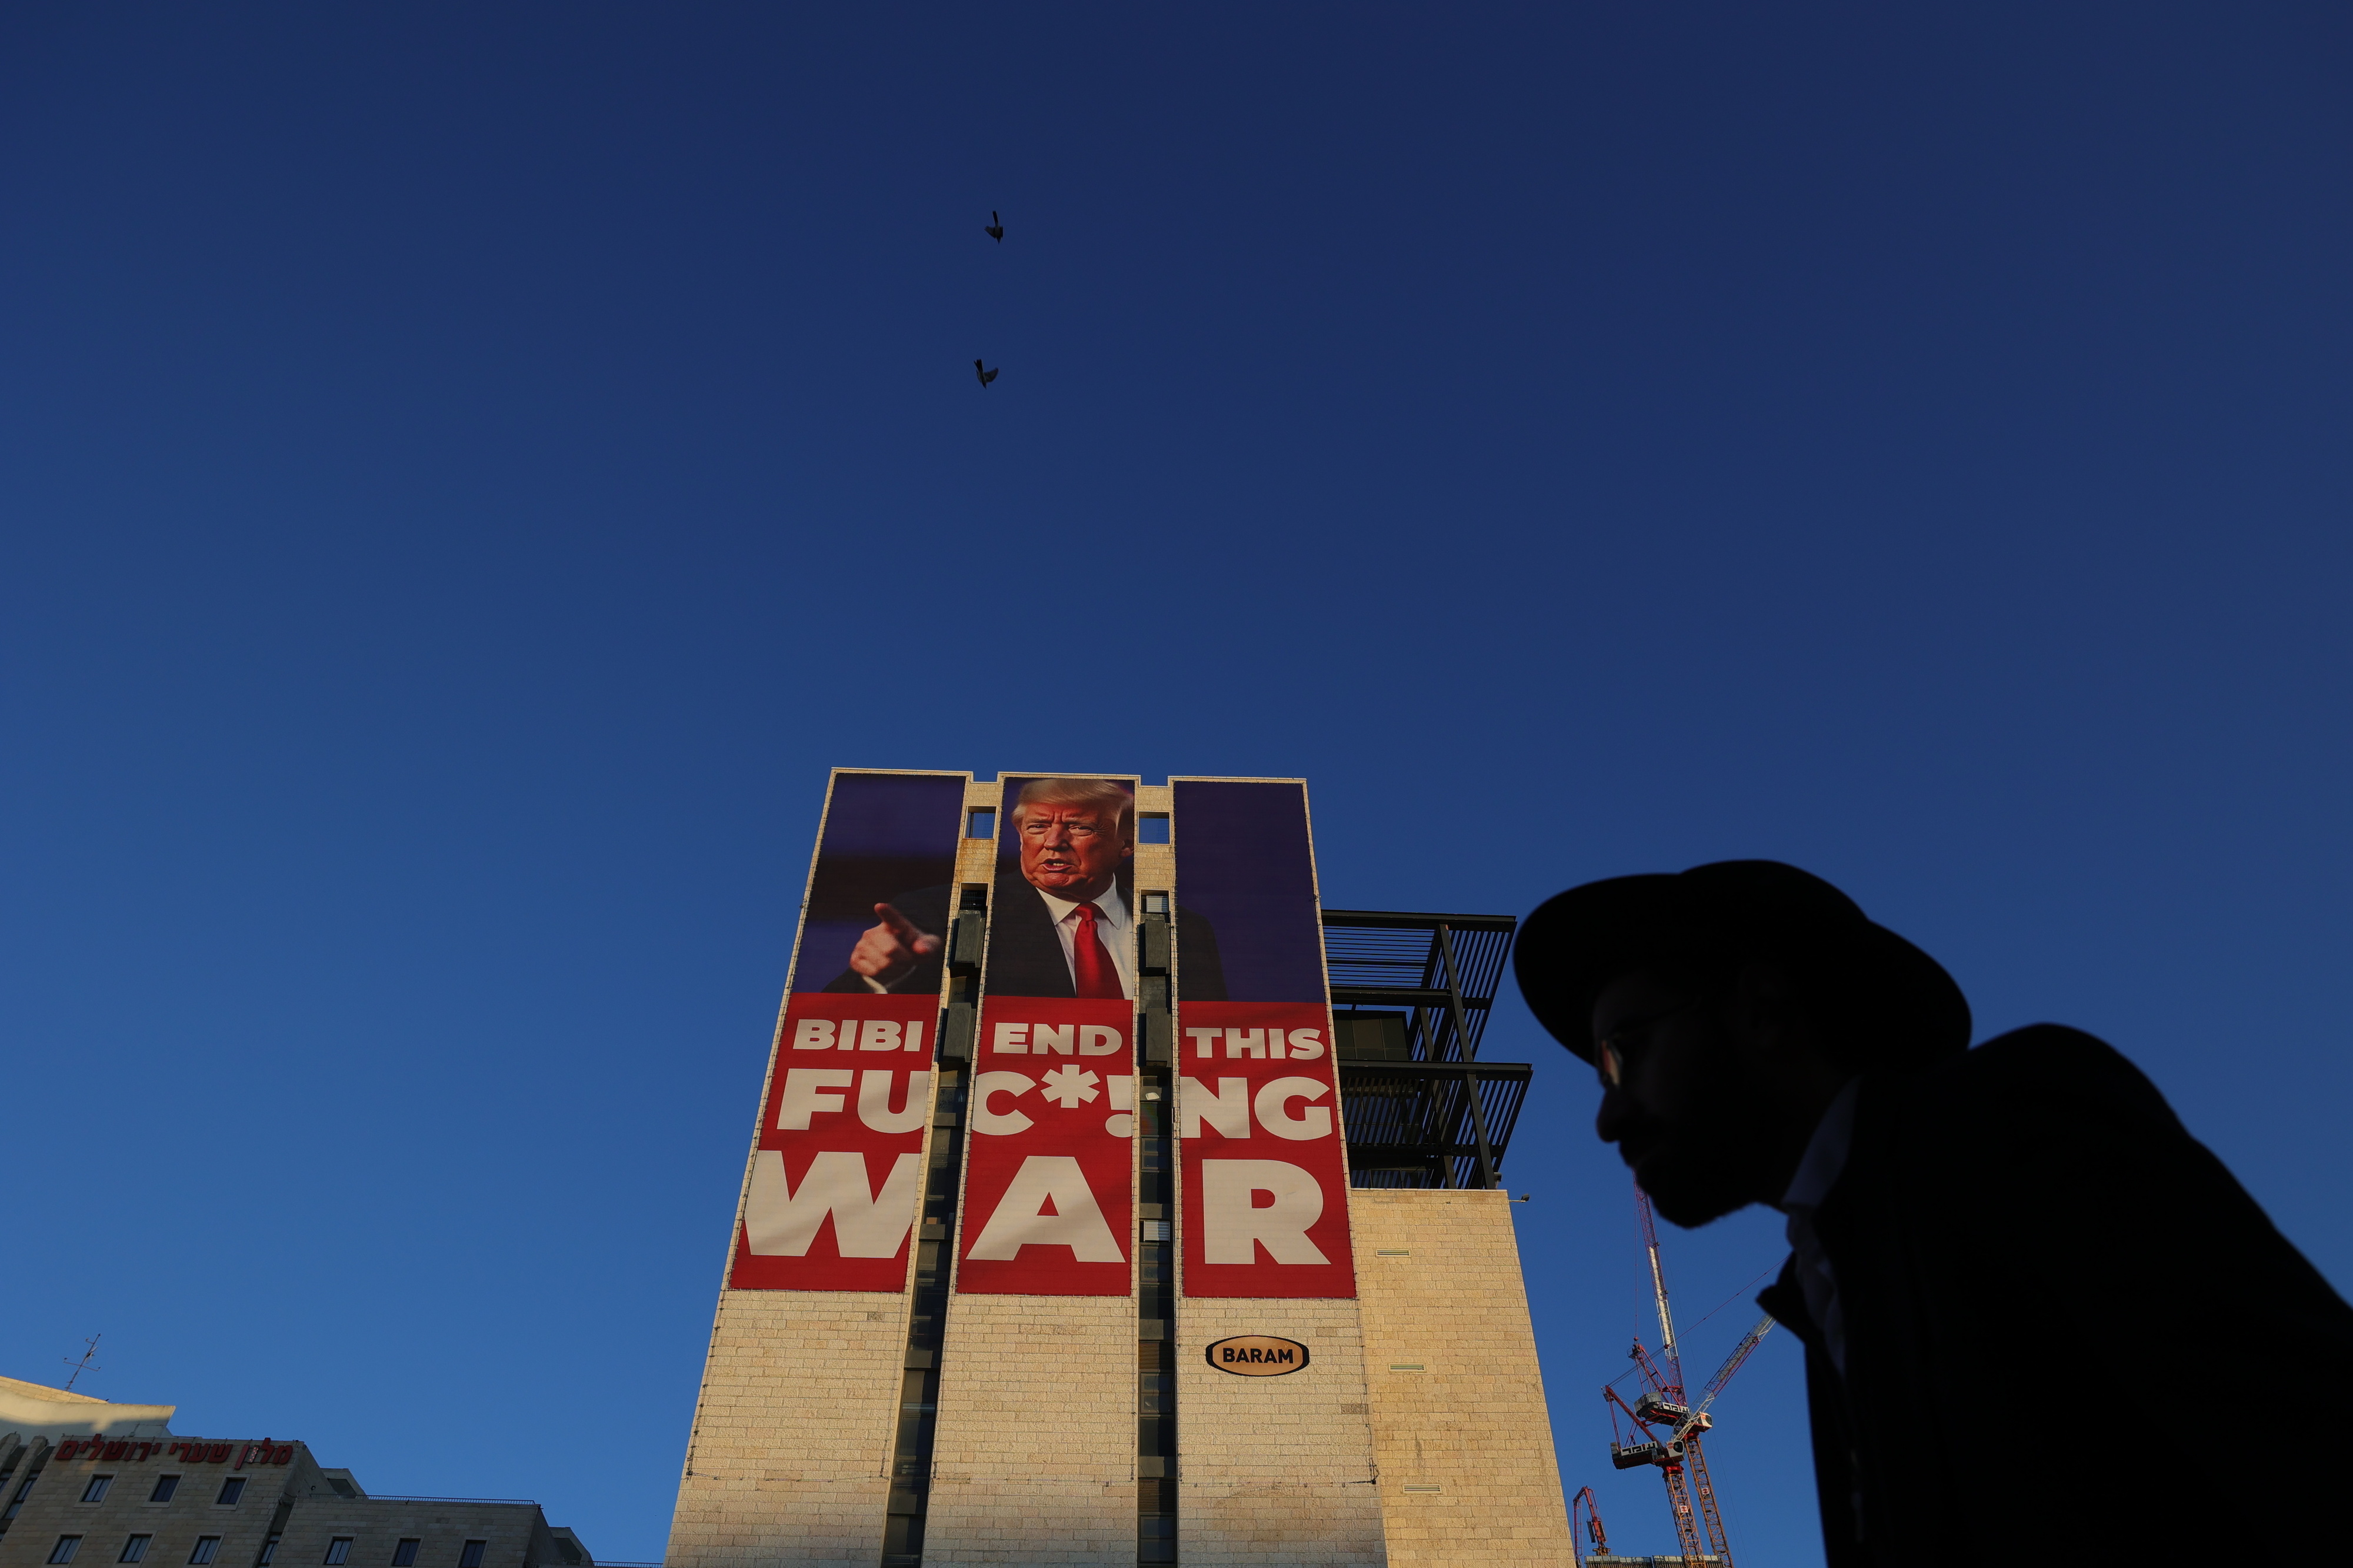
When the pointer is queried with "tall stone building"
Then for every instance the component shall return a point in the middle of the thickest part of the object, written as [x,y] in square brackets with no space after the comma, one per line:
[1110,1202]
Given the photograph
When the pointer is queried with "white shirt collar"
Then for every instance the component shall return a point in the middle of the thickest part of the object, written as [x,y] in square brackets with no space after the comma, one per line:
[1114,910]
[1825,1157]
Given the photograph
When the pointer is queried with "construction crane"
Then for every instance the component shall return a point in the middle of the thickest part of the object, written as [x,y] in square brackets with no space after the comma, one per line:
[1732,1363]
[1582,1508]
[1670,1426]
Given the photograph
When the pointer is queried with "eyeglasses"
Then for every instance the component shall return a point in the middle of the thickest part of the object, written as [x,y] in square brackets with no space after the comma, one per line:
[1610,1050]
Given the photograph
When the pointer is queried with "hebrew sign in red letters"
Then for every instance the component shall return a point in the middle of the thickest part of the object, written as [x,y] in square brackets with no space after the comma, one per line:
[1048,1206]
[1263,1171]
[837,1176]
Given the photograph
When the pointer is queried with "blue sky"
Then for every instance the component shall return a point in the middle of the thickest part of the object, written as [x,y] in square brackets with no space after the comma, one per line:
[468,471]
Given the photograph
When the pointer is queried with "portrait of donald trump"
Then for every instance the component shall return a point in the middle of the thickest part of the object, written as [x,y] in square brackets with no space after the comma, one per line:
[1063,916]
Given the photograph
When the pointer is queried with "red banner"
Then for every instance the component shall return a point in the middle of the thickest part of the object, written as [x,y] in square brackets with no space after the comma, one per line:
[1048,1200]
[837,1178]
[1264,1175]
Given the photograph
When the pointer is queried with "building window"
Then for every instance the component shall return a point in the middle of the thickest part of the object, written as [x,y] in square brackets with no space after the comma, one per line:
[1153,828]
[206,1546]
[135,1549]
[473,1556]
[405,1554]
[66,1547]
[96,1490]
[231,1490]
[268,1551]
[164,1487]
[339,1550]
[980,823]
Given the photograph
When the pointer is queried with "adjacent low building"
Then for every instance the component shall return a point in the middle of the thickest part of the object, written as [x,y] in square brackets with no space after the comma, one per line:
[90,1483]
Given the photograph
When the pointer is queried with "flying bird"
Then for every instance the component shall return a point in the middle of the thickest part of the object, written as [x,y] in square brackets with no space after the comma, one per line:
[986,375]
[995,229]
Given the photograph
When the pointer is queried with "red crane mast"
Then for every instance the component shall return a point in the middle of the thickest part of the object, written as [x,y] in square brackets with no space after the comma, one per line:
[1584,1508]
[1668,1424]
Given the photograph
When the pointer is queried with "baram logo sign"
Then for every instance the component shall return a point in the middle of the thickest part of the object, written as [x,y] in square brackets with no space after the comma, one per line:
[838,1177]
[1257,1355]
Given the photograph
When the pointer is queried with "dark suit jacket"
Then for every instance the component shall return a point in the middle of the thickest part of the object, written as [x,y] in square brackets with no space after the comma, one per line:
[2065,1324]
[1025,956]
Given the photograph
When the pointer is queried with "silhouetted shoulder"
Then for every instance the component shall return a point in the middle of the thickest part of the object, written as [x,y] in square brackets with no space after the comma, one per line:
[2047,1070]
[2044,1049]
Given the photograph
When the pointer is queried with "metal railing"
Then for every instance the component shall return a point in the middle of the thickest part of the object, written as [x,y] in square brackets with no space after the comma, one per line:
[1412,992]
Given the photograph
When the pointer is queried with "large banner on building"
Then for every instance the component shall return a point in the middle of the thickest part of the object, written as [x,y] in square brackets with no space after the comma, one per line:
[1262,1167]
[1061,917]
[836,1176]
[1049,1191]
[1048,1180]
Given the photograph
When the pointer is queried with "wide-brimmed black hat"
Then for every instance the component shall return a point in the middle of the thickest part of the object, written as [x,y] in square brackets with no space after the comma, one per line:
[1575,943]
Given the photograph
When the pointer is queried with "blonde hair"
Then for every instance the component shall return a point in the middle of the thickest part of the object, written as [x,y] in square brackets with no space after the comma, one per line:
[1103,794]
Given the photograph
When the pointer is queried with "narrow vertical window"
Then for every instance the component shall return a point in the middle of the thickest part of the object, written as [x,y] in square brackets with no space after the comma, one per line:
[206,1546]
[164,1487]
[231,1490]
[339,1550]
[1155,1362]
[1155,1521]
[268,1551]
[473,1556]
[63,1552]
[405,1554]
[135,1549]
[96,1490]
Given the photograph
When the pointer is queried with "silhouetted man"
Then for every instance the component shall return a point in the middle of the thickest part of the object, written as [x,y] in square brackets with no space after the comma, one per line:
[2037,1313]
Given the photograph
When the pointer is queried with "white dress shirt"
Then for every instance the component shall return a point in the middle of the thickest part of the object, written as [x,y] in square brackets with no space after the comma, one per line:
[1818,1173]
[1112,924]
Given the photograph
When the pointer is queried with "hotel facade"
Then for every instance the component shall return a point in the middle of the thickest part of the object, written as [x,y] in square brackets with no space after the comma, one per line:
[90,1483]
[1113,1202]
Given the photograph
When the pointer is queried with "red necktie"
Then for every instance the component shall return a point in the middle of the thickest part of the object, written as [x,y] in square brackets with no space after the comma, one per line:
[1091,963]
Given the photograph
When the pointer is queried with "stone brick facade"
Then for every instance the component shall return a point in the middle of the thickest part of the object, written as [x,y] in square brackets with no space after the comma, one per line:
[1356,1459]
[1461,1433]
[1275,1469]
[789,1460]
[1036,1451]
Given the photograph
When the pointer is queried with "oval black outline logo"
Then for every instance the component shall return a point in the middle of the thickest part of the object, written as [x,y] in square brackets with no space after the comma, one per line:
[1239,1368]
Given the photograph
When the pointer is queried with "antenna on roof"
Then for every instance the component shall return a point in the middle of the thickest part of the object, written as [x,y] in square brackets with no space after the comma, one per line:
[83,1365]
